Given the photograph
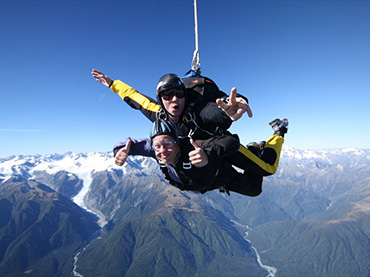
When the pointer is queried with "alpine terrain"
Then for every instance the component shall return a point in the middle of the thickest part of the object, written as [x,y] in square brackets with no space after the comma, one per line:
[80,215]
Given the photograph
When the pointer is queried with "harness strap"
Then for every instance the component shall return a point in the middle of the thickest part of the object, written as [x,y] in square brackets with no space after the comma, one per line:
[190,117]
[172,182]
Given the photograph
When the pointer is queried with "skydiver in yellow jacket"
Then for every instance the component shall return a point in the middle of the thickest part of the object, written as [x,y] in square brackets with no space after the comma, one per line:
[173,100]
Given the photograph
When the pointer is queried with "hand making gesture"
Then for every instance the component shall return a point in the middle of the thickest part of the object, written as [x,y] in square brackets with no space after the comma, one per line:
[235,106]
[123,154]
[197,157]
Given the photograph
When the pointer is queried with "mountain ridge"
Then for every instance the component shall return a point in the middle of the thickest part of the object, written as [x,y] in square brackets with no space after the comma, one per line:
[38,226]
[312,214]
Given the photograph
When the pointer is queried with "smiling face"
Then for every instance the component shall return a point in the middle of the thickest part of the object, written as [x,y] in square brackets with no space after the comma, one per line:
[165,148]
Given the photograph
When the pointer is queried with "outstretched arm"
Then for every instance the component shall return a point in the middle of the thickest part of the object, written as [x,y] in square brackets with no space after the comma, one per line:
[131,96]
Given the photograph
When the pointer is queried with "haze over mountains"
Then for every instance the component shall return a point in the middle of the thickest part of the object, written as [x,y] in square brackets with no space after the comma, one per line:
[312,219]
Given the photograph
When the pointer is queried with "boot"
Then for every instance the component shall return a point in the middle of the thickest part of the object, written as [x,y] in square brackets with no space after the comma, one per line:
[280,126]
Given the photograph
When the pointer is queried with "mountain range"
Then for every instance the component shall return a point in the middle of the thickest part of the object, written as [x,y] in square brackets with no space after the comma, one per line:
[77,214]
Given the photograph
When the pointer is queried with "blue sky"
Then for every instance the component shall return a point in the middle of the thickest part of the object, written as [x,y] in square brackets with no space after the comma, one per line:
[308,61]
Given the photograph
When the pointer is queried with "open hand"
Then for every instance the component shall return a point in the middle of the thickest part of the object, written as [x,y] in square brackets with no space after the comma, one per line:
[101,77]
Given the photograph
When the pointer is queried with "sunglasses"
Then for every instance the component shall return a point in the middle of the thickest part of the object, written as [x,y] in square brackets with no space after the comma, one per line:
[167,144]
[170,93]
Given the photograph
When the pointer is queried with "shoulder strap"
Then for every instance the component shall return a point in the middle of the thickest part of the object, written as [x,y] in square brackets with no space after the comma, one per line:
[172,182]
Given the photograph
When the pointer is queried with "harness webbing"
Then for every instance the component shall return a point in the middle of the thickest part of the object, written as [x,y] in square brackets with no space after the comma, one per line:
[195,65]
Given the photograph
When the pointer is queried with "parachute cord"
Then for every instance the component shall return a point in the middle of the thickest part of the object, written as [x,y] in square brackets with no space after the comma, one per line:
[195,65]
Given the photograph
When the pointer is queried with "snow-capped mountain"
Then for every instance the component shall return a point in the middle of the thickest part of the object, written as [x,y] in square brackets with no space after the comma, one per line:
[328,172]
[344,155]
[318,200]
[317,169]
[83,164]
[79,164]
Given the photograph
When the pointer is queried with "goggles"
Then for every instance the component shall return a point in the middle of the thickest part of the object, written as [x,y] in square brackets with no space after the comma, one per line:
[170,93]
[166,143]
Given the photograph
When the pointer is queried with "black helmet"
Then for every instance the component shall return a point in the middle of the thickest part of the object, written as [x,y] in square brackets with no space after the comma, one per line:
[166,82]
[163,127]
